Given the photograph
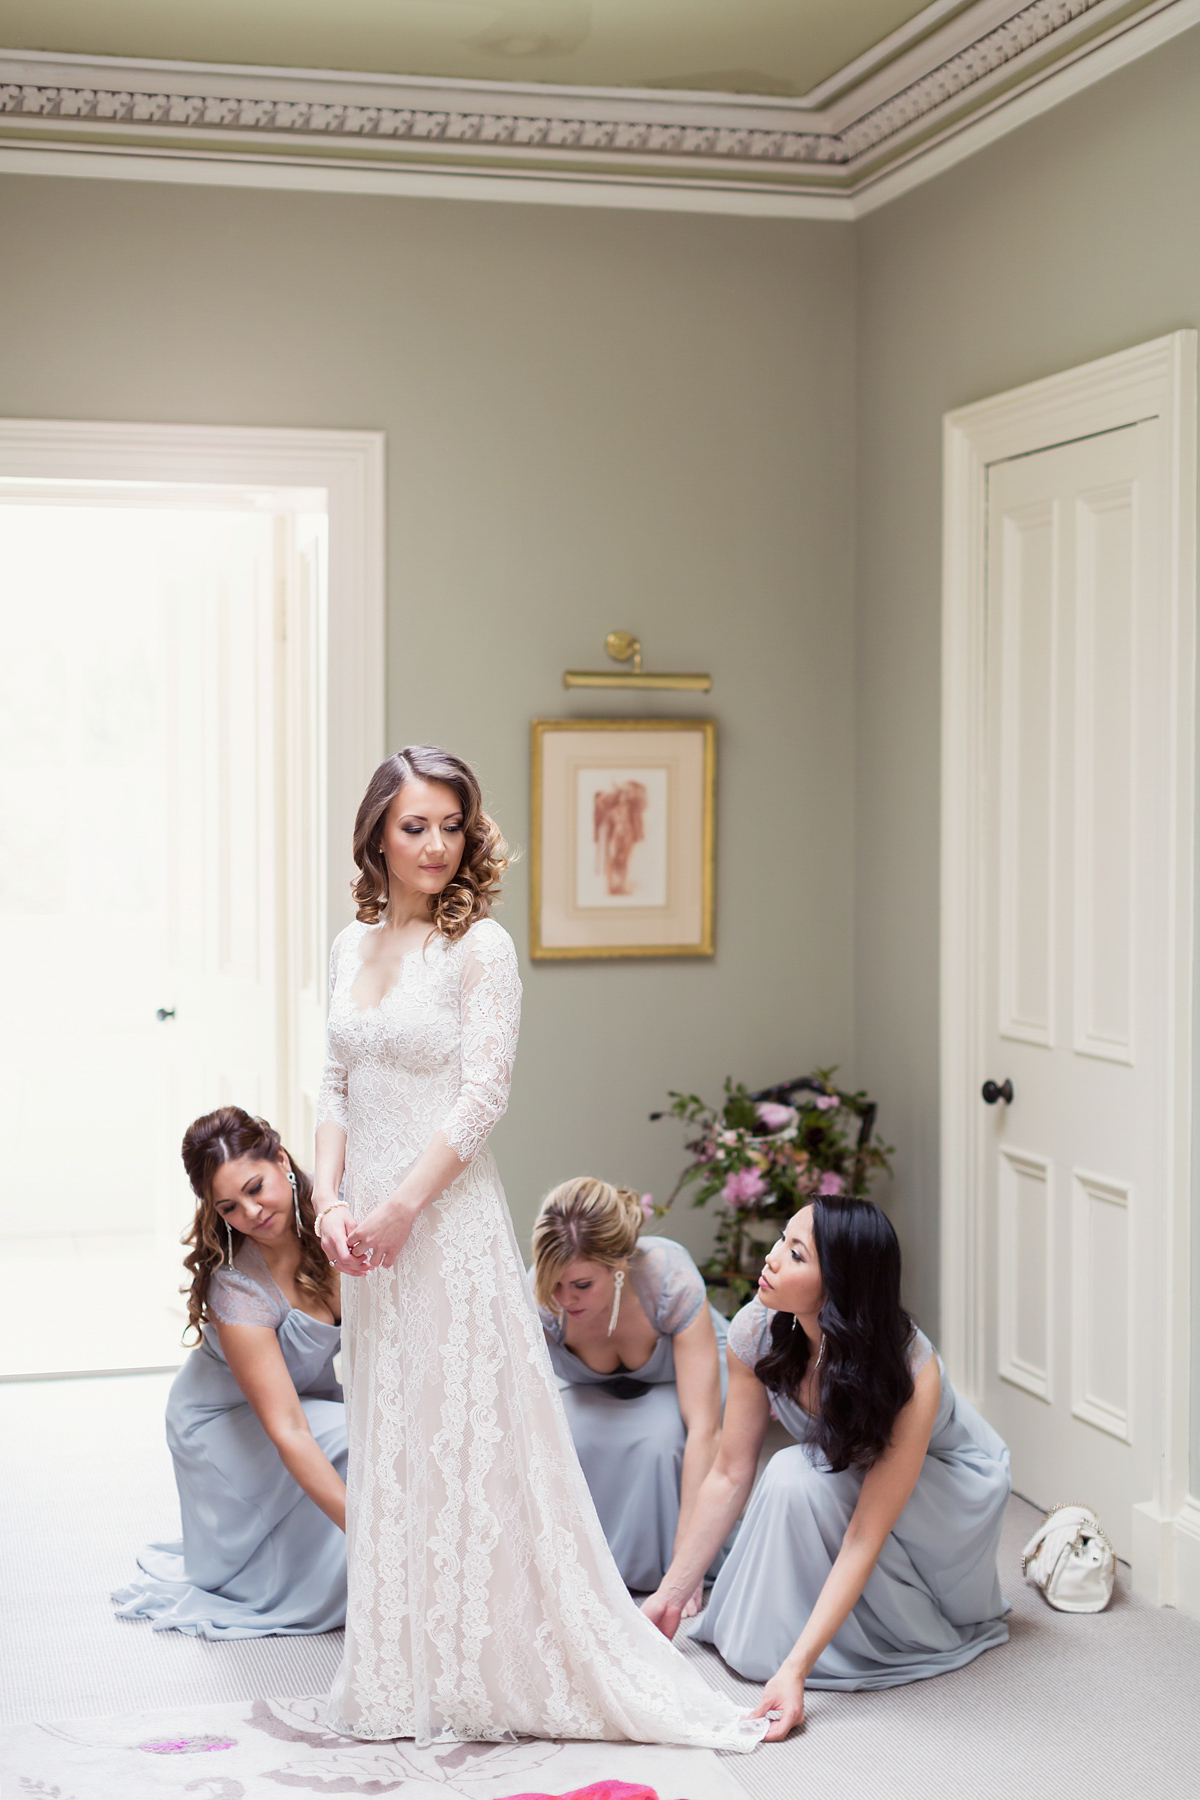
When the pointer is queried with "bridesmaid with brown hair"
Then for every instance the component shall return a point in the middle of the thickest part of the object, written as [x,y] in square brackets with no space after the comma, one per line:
[255,1419]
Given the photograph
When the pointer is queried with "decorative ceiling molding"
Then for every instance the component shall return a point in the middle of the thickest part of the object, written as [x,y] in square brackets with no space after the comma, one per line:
[979,61]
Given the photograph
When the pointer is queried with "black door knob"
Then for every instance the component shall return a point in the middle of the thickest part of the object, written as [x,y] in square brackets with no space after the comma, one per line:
[165,1012]
[992,1092]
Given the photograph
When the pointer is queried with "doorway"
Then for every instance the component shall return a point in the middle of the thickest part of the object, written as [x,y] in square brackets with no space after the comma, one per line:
[1068,742]
[166,812]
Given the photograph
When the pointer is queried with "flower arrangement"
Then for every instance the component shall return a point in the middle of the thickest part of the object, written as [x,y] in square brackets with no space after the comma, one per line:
[761,1156]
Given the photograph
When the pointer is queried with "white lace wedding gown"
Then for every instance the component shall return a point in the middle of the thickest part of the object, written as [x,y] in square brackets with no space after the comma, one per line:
[483,1600]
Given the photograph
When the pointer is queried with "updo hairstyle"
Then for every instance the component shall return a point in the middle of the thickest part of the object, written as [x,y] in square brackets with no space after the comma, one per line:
[209,1142]
[582,1220]
[475,886]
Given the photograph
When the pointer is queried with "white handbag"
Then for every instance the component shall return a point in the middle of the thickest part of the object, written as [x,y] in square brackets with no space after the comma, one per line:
[1071,1560]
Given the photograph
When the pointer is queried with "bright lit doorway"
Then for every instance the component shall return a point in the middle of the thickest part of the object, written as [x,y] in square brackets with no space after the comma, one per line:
[164,875]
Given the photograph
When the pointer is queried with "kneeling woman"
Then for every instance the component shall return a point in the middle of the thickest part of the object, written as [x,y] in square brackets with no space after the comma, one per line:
[630,1332]
[255,1419]
[867,1556]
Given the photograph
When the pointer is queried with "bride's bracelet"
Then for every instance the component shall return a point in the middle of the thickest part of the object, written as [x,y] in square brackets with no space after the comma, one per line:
[326,1213]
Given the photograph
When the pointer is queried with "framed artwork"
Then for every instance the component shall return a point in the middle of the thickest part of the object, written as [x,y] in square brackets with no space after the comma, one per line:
[623,830]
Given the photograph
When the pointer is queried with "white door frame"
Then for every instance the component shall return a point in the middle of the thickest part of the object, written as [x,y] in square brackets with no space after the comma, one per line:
[349,466]
[1157,379]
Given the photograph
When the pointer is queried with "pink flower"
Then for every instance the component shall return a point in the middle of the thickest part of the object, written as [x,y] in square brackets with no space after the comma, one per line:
[647,1206]
[774,1116]
[831,1183]
[743,1187]
[826,1102]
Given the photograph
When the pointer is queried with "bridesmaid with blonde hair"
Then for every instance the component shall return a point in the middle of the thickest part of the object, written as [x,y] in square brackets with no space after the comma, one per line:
[639,1356]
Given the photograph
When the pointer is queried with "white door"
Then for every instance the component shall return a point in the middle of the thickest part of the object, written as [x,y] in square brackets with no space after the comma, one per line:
[1075,897]
[143,849]
[219,1044]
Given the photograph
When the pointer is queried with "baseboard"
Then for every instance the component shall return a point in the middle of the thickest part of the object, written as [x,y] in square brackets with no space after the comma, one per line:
[1185,1530]
[1153,1555]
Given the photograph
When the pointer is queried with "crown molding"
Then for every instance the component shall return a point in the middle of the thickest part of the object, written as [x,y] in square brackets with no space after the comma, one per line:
[910,107]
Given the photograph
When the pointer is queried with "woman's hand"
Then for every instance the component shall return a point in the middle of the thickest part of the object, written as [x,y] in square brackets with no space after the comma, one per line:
[664,1611]
[784,1695]
[336,1229]
[694,1603]
[383,1233]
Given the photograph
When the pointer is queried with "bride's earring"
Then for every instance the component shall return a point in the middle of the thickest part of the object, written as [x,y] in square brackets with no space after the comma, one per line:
[618,1284]
[291,1175]
[229,1243]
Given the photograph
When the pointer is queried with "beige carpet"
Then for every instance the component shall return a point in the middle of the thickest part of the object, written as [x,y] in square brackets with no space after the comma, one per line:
[87,1481]
[1099,1708]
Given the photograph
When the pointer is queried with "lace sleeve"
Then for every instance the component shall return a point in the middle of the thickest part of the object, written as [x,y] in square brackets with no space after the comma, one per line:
[670,1286]
[919,1352]
[749,1333]
[234,1298]
[333,1097]
[491,1015]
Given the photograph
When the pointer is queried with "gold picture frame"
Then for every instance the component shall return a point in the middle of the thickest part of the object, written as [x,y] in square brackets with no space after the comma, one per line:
[623,838]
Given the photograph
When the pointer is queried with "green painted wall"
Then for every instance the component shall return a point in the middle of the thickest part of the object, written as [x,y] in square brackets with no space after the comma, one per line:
[594,419]
[1073,237]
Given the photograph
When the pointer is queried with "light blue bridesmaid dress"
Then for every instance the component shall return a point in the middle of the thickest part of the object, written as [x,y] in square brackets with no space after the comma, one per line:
[257,1555]
[933,1600]
[627,1426]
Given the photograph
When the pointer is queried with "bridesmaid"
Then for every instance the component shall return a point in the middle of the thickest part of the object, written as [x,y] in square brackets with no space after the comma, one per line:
[867,1556]
[255,1419]
[630,1332]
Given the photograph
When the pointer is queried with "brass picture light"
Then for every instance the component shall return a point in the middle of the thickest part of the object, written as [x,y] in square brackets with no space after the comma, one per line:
[623,647]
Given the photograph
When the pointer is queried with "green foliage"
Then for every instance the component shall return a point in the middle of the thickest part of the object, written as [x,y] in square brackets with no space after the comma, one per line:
[761,1160]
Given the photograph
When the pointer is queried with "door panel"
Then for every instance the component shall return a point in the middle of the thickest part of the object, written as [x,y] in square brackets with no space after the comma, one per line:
[1076,864]
[1029,609]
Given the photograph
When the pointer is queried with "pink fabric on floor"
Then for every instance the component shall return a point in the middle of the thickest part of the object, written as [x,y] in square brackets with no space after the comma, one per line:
[597,1790]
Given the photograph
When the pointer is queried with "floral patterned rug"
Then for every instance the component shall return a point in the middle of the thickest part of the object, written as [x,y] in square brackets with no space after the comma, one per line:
[268,1749]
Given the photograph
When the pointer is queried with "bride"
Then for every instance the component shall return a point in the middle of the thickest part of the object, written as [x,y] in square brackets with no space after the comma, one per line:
[483,1600]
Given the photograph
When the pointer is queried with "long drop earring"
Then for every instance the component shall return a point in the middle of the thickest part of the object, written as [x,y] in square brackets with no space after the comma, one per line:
[291,1175]
[618,1284]
[795,1321]
[229,1243]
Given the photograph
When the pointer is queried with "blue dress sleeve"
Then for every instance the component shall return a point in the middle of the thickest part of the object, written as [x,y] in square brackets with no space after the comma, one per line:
[750,1333]
[235,1298]
[669,1285]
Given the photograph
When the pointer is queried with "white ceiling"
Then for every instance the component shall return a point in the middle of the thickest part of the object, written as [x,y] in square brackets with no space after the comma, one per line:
[770,47]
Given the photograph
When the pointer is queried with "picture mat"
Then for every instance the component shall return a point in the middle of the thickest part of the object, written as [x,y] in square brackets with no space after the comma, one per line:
[680,754]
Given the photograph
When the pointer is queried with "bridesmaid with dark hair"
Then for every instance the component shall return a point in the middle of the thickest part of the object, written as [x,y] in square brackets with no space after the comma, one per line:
[867,1555]
[255,1418]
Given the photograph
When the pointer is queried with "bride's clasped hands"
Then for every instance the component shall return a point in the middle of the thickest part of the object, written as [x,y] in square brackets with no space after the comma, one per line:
[376,1242]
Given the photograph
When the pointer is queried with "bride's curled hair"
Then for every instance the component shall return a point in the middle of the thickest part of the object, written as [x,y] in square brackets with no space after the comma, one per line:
[864,1379]
[475,885]
[220,1137]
